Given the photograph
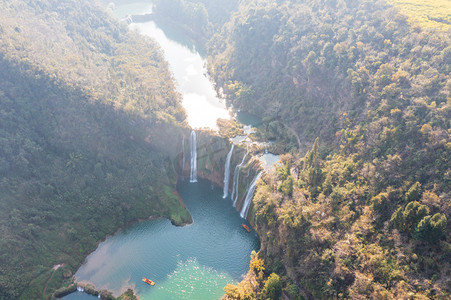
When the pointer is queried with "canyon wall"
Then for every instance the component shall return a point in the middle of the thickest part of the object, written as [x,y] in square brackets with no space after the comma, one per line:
[212,152]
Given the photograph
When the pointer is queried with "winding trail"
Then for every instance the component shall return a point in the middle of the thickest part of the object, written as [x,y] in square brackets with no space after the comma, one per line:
[294,133]
[55,267]
[175,193]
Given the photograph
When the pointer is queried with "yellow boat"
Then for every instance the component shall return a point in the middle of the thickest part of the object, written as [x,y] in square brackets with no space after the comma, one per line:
[148,281]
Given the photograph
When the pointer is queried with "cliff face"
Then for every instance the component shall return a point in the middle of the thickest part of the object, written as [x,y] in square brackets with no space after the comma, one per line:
[211,157]
[212,152]
[248,171]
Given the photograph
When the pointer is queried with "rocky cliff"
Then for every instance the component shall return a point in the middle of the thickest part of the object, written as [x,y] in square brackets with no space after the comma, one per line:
[212,151]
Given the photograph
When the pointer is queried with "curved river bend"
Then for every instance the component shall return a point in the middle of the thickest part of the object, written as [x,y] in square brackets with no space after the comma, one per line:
[191,262]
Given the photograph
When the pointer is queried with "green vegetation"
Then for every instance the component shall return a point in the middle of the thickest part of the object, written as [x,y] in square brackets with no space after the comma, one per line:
[273,287]
[333,241]
[128,295]
[229,128]
[198,20]
[259,284]
[358,95]
[191,17]
[364,213]
[85,105]
[174,207]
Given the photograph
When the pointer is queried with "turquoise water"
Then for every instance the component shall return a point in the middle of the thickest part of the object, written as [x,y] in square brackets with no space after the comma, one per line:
[80,296]
[246,118]
[191,262]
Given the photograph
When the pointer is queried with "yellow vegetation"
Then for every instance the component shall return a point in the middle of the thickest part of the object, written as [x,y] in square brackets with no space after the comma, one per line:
[426,13]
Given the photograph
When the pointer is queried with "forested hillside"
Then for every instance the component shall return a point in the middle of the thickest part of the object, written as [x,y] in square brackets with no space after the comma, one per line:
[321,67]
[360,210]
[364,213]
[84,106]
[197,19]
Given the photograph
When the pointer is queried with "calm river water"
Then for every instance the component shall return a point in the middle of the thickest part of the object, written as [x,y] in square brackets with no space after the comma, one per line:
[191,262]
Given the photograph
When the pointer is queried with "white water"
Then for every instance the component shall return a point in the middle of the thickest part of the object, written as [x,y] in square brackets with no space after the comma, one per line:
[249,196]
[227,173]
[193,147]
[236,179]
[269,161]
[183,159]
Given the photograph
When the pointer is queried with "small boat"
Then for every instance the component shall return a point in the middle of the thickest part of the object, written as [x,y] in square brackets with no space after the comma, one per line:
[148,281]
[246,227]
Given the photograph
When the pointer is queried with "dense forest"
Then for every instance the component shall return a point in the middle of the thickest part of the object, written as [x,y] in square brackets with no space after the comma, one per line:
[84,104]
[360,210]
[356,93]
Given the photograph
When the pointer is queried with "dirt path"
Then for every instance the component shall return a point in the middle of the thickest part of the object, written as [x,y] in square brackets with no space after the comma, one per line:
[294,133]
[55,267]
[175,193]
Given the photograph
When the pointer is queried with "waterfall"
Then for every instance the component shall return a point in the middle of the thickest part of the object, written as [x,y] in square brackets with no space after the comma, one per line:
[236,179]
[183,159]
[193,146]
[227,173]
[249,196]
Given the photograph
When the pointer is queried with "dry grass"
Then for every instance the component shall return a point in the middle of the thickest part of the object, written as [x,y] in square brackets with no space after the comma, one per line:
[426,13]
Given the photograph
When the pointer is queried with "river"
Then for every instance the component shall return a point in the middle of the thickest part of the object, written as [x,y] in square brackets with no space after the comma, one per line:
[191,262]
[199,98]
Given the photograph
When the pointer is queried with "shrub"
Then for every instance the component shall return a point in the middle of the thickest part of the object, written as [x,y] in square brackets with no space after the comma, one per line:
[273,287]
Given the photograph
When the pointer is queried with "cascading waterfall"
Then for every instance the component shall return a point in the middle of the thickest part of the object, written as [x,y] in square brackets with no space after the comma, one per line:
[183,159]
[227,173]
[193,146]
[236,179]
[249,196]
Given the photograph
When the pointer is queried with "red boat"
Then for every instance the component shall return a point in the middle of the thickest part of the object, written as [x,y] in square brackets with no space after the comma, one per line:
[148,281]
[246,227]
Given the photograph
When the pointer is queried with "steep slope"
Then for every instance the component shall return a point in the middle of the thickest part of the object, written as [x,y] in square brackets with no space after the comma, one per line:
[197,19]
[321,67]
[365,213]
[86,107]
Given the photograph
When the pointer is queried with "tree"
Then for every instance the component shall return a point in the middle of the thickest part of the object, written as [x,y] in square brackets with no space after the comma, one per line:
[273,288]
[286,187]
[414,193]
[407,219]
[242,291]
[431,229]
[380,204]
[256,264]
[384,75]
